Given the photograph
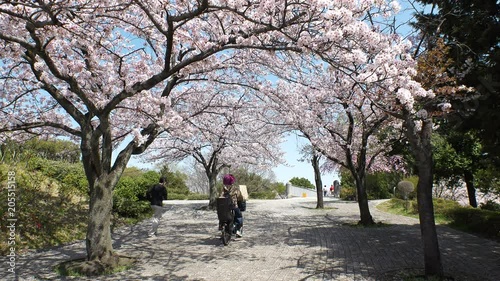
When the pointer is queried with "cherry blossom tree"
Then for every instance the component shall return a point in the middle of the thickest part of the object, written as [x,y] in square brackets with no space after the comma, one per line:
[367,79]
[100,71]
[229,128]
[334,112]
[315,157]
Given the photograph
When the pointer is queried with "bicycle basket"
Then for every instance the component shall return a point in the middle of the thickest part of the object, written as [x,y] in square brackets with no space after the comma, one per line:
[224,209]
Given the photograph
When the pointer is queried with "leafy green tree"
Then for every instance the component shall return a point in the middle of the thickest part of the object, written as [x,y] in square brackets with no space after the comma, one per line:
[257,185]
[470,29]
[53,149]
[176,182]
[487,179]
[303,182]
[69,176]
[458,157]
[380,185]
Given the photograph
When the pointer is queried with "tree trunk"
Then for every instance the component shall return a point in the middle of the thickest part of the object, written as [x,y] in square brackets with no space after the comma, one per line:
[471,190]
[102,178]
[362,197]
[212,180]
[98,241]
[432,256]
[317,180]
[420,142]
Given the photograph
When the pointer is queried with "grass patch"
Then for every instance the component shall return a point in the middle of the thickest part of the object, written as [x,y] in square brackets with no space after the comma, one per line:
[398,207]
[81,267]
[484,223]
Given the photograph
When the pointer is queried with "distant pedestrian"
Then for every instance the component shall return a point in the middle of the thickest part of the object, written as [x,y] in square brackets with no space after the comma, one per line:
[332,190]
[324,190]
[336,185]
[156,194]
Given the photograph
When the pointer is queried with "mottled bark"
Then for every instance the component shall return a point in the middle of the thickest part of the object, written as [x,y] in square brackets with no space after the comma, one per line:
[420,142]
[212,180]
[471,189]
[98,240]
[317,180]
[362,197]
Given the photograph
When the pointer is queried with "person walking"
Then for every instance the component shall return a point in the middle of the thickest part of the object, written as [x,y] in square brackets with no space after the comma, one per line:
[156,194]
[336,185]
[237,202]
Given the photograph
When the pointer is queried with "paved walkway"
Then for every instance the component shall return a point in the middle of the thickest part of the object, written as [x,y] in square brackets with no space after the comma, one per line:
[283,240]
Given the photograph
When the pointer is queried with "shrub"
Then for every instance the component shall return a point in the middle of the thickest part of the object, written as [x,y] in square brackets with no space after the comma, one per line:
[130,208]
[490,205]
[348,193]
[70,177]
[177,196]
[442,206]
[263,195]
[129,194]
[379,185]
[48,221]
[484,222]
[198,196]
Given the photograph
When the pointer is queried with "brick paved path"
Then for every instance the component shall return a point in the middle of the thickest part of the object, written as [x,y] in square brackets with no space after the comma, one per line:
[283,240]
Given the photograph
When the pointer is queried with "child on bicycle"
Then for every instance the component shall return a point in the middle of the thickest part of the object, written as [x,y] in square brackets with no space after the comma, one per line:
[237,203]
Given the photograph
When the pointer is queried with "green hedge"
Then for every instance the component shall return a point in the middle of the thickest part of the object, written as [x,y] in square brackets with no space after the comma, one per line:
[130,192]
[263,195]
[348,193]
[198,196]
[478,221]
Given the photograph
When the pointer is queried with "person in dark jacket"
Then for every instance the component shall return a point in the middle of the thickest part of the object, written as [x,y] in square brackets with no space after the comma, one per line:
[156,195]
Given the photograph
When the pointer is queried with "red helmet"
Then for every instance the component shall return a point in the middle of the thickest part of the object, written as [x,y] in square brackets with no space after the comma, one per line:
[228,179]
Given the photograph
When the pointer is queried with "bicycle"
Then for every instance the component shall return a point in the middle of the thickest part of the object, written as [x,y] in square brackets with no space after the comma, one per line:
[226,219]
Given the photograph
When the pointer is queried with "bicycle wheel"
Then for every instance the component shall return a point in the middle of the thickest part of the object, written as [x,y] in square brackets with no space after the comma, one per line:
[225,234]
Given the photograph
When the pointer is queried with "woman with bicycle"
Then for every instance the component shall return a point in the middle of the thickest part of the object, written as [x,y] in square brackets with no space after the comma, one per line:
[238,205]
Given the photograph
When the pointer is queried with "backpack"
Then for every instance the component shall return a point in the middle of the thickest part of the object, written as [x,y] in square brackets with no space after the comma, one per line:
[149,194]
[242,205]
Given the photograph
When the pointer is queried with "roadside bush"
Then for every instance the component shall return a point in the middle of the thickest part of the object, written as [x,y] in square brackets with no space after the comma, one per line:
[380,185]
[479,221]
[482,222]
[490,205]
[348,193]
[443,206]
[177,196]
[48,220]
[263,195]
[198,196]
[70,177]
[129,194]
[130,208]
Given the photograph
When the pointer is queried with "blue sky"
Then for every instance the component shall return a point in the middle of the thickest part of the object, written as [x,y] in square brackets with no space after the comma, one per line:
[296,168]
